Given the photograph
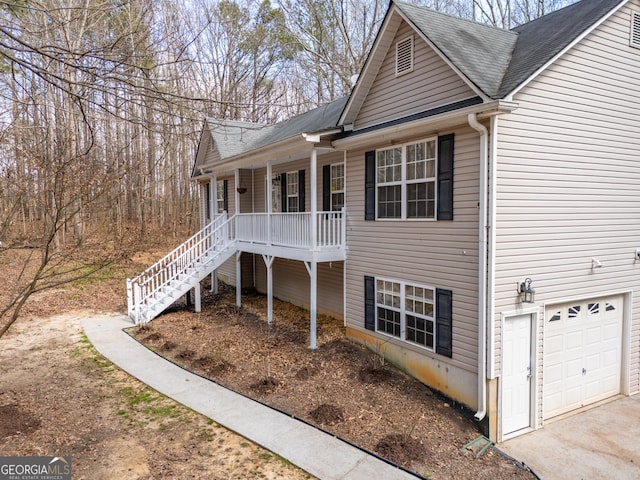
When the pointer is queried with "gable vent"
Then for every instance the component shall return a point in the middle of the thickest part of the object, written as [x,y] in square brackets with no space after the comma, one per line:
[635,29]
[404,56]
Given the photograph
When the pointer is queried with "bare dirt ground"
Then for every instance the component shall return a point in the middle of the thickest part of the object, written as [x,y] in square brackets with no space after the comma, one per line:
[59,397]
[340,387]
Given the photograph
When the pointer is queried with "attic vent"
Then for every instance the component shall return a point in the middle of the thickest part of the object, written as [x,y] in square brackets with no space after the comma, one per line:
[404,56]
[635,29]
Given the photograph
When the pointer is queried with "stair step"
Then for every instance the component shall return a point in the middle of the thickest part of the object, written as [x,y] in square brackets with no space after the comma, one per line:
[181,283]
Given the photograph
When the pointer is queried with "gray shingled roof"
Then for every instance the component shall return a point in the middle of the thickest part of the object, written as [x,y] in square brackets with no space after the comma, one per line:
[542,39]
[234,138]
[497,61]
[479,51]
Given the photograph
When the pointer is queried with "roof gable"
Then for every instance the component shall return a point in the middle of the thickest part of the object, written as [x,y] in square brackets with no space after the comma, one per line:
[480,52]
[495,62]
[542,40]
[224,139]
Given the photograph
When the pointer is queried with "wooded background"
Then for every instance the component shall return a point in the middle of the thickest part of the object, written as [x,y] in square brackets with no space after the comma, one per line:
[102,101]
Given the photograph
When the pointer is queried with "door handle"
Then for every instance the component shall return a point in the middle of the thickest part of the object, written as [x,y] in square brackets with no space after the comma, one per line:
[584,371]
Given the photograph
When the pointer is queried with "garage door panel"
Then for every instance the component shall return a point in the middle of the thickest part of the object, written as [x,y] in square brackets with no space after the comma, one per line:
[573,342]
[582,353]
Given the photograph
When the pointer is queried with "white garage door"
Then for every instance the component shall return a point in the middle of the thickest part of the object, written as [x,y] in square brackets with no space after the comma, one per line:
[582,353]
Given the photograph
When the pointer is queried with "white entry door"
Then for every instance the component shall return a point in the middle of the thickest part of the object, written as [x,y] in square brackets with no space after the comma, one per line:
[516,374]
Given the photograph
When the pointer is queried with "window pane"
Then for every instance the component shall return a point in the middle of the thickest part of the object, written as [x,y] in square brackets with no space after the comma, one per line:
[220,196]
[389,202]
[389,165]
[337,201]
[420,331]
[431,149]
[388,321]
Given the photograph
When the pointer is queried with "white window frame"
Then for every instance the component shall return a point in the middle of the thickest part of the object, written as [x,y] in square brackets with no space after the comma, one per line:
[401,69]
[333,177]
[403,182]
[403,311]
[292,196]
[275,191]
[634,39]
[220,197]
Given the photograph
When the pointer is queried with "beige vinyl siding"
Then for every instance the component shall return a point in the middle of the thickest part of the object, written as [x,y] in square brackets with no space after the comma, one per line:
[569,180]
[432,83]
[291,283]
[440,254]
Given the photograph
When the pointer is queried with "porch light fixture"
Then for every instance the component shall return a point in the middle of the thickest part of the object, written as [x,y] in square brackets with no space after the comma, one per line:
[241,190]
[526,291]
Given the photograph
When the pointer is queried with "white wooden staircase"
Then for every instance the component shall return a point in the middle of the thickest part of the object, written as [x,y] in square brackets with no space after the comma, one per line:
[160,285]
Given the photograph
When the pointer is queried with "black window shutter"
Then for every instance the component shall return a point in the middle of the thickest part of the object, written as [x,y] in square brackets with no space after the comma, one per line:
[283,191]
[444,324]
[301,192]
[225,193]
[370,186]
[207,207]
[445,177]
[326,188]
[370,303]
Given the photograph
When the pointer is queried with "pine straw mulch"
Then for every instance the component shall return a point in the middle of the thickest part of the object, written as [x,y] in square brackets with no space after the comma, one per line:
[340,387]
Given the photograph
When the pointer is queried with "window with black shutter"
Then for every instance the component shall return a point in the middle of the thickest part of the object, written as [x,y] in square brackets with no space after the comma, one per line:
[417,314]
[401,181]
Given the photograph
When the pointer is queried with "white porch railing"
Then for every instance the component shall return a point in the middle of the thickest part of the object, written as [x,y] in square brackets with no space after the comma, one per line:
[292,229]
[160,285]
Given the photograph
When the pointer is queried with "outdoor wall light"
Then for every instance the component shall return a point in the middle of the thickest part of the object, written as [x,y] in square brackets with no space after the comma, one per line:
[526,291]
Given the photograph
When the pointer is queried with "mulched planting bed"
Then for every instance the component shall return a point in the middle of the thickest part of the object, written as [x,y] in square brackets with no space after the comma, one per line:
[340,387]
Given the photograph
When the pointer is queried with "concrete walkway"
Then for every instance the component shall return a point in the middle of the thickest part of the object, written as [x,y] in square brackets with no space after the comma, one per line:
[599,443]
[318,453]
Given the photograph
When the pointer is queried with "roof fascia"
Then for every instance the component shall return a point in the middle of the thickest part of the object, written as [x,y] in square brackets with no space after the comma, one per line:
[369,72]
[417,128]
[203,143]
[285,150]
[566,49]
[446,60]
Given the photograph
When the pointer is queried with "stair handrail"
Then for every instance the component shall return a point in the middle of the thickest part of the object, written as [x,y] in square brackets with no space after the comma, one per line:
[176,262]
[213,225]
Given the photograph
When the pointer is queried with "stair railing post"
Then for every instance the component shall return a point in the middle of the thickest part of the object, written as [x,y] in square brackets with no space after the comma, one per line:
[129,298]
[136,302]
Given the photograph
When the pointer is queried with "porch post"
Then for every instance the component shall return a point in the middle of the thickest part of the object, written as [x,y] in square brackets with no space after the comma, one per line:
[213,208]
[314,304]
[269,188]
[214,281]
[213,198]
[313,271]
[314,199]
[238,279]
[198,305]
[268,260]
[237,195]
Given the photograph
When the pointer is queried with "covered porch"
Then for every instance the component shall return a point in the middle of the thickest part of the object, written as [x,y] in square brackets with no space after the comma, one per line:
[312,235]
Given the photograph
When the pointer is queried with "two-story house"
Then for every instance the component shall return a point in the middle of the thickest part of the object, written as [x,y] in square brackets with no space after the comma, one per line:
[471,210]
